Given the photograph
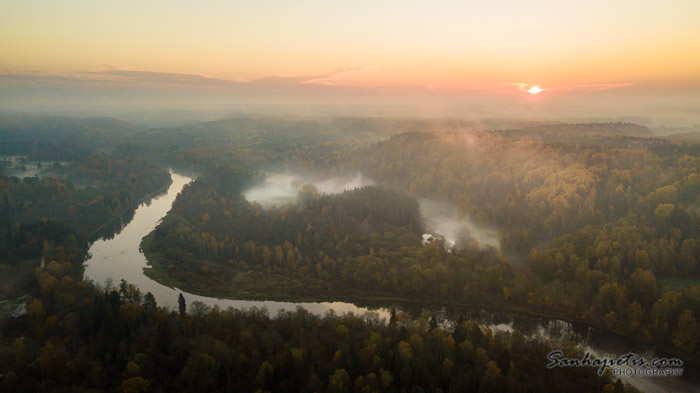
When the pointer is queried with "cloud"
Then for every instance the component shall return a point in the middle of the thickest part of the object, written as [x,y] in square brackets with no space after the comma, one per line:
[525,87]
[602,86]
[321,79]
[113,66]
[518,85]
[122,77]
[55,76]
[340,73]
[163,77]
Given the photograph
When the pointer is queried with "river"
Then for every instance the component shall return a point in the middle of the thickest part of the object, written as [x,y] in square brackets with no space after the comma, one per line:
[119,257]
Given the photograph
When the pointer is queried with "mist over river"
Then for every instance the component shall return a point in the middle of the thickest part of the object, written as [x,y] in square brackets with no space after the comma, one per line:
[119,257]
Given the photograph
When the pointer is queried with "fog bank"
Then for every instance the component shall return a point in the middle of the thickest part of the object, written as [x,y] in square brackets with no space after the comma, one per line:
[444,219]
[280,188]
[440,218]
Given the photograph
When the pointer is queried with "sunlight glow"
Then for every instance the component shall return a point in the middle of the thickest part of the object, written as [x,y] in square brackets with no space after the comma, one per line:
[535,90]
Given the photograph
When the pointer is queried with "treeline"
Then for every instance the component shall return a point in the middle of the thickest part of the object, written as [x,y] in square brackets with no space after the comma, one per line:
[77,338]
[536,192]
[273,142]
[34,208]
[593,221]
[31,135]
[214,233]
[594,228]
[397,267]
[588,133]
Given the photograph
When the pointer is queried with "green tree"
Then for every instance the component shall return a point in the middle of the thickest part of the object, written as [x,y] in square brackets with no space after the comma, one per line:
[149,302]
[339,382]
[198,308]
[265,374]
[182,306]
[687,332]
[134,385]
[643,287]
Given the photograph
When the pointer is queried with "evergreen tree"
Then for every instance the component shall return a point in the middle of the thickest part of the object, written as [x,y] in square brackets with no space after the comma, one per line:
[149,302]
[182,306]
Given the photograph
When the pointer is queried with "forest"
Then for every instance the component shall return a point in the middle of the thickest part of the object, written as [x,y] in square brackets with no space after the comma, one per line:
[609,223]
[370,197]
[601,229]
[79,193]
[81,196]
[80,338]
[604,232]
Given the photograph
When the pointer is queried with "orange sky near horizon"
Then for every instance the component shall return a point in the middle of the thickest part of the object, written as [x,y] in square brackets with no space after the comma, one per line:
[449,46]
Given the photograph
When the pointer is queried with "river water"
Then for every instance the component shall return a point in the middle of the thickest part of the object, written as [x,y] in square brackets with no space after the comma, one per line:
[119,257]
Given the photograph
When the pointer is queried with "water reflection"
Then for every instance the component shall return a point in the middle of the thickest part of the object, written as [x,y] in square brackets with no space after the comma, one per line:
[109,231]
[119,257]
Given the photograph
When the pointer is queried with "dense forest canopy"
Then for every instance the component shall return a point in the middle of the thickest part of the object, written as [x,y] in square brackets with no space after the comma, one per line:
[110,186]
[76,337]
[598,223]
[610,220]
[596,218]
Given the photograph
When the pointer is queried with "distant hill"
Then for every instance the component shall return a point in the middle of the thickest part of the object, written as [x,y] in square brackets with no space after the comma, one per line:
[692,136]
[328,128]
[577,133]
[21,128]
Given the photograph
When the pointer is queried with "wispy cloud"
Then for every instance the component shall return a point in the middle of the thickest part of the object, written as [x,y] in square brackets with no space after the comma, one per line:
[120,76]
[526,87]
[162,77]
[601,86]
[340,73]
[113,66]
[320,79]
[518,85]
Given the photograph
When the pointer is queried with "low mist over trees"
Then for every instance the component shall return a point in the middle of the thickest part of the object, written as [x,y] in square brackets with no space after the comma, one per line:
[598,223]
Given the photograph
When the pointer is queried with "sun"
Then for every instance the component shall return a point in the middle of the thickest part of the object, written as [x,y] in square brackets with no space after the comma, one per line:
[535,89]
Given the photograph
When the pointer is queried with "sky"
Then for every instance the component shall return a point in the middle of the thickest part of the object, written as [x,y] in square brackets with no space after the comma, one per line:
[444,47]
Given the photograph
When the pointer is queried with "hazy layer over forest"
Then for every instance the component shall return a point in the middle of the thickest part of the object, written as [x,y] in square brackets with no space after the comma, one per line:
[593,222]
